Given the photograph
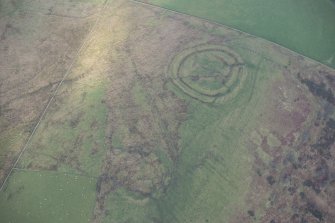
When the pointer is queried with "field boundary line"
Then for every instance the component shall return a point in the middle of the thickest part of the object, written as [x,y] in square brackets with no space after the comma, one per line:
[54,172]
[232,28]
[83,45]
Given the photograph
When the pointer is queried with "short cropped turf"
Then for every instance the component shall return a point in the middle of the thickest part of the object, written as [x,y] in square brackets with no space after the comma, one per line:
[47,197]
[304,26]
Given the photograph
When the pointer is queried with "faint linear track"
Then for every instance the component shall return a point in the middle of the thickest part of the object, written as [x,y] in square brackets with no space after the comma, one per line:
[55,172]
[231,28]
[88,38]
[62,15]
[38,12]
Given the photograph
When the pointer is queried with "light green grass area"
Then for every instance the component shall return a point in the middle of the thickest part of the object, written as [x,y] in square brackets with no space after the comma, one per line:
[72,138]
[39,197]
[10,139]
[210,177]
[304,26]
[124,206]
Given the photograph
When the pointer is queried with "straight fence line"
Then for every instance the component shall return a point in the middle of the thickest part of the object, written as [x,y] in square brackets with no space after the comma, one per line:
[55,172]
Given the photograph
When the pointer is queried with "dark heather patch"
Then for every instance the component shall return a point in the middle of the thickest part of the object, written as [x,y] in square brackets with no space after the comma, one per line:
[319,90]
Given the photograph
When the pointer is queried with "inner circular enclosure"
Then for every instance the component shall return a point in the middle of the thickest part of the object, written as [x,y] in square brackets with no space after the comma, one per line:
[207,69]
[207,72]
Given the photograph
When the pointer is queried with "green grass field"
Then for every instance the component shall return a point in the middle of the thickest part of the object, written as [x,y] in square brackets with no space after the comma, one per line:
[74,143]
[211,176]
[304,26]
[47,197]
